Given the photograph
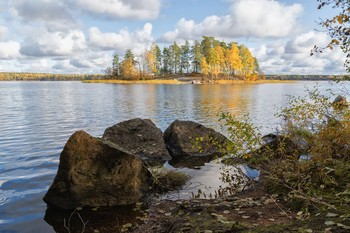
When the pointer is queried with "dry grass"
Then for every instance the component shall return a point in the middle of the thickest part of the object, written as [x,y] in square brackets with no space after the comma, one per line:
[252,82]
[168,180]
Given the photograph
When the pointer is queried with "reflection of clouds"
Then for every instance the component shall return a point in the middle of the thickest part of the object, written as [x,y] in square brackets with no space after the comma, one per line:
[208,178]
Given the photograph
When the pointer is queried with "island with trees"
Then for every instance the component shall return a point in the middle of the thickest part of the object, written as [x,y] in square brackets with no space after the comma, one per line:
[209,59]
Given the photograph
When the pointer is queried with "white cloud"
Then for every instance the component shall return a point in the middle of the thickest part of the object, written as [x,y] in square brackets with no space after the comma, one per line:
[138,41]
[52,13]
[89,62]
[3,31]
[116,9]
[92,60]
[264,18]
[248,18]
[63,66]
[293,56]
[45,43]
[9,50]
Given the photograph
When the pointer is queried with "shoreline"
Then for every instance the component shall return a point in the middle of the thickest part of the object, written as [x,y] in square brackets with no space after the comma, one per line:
[178,82]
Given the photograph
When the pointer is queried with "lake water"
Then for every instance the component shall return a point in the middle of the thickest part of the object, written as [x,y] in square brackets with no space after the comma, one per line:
[37,118]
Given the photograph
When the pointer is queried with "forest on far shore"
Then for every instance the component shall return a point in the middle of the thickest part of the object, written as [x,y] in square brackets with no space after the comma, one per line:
[19,76]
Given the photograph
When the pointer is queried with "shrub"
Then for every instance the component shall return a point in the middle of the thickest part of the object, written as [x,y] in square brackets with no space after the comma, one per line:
[312,128]
[168,180]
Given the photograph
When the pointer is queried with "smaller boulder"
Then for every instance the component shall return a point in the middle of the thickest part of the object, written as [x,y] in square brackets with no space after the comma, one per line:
[340,102]
[276,147]
[94,173]
[187,139]
[141,137]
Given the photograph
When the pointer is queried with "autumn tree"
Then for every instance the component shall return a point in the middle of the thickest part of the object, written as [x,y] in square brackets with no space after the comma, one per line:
[204,66]
[127,66]
[207,44]
[338,27]
[151,61]
[247,61]
[233,60]
[216,60]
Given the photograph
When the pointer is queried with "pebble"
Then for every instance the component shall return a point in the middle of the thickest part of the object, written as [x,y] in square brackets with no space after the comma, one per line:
[208,231]
[343,226]
[226,212]
[128,225]
[217,215]
[329,223]
[245,216]
[332,215]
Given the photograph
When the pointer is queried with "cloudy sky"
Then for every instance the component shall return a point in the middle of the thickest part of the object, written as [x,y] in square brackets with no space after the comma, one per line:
[81,36]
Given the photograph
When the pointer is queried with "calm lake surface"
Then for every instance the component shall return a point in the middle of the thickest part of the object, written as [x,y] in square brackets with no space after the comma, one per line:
[37,118]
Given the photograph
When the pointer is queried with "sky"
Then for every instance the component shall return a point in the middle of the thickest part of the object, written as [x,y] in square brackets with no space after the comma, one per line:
[81,36]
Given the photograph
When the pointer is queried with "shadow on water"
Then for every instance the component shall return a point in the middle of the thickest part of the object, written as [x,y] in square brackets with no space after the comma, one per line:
[106,219]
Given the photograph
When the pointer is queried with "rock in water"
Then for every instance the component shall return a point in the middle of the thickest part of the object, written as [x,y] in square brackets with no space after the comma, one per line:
[190,139]
[94,173]
[277,147]
[141,137]
[340,102]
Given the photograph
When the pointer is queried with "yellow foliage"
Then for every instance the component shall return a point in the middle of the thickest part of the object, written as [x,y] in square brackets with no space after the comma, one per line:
[216,60]
[247,61]
[128,70]
[151,60]
[233,60]
[204,66]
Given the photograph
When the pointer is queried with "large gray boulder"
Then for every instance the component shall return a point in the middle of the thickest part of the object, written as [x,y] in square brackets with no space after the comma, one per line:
[188,139]
[141,137]
[94,173]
